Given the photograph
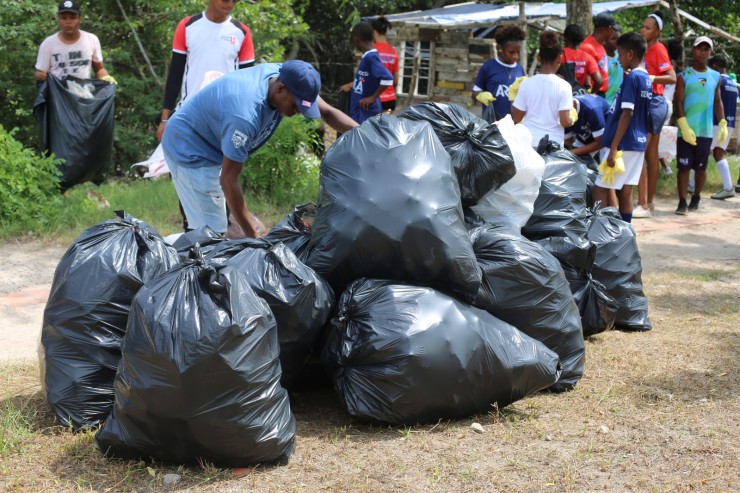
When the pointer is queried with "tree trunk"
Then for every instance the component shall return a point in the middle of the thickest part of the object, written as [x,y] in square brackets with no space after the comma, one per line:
[579,12]
[677,28]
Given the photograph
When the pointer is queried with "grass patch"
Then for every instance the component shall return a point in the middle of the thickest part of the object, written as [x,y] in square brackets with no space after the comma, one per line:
[667,183]
[151,200]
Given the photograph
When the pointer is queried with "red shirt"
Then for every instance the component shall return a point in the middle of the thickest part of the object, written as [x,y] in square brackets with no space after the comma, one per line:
[657,62]
[597,50]
[389,57]
[585,64]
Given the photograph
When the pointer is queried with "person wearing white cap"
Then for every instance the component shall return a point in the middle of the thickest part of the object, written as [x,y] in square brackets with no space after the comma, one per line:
[208,140]
[697,99]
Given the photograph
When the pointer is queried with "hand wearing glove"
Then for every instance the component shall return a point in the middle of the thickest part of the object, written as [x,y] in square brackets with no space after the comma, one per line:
[722,133]
[652,78]
[514,87]
[687,133]
[609,172]
[573,115]
[485,97]
[109,79]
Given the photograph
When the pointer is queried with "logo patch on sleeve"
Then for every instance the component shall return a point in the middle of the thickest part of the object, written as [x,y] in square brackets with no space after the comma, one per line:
[238,139]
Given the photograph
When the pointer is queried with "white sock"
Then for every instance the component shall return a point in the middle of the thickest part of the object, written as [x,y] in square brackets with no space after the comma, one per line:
[692,183]
[724,171]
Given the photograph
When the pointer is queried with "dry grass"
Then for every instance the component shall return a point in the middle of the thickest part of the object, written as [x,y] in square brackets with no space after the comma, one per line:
[656,411]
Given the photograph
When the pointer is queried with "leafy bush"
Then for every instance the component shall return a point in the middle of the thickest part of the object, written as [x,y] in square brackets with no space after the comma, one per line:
[29,185]
[285,168]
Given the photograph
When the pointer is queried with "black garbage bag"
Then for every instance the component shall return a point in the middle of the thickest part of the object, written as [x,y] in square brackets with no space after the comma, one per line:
[199,379]
[76,128]
[480,155]
[389,207]
[300,300]
[577,256]
[402,354]
[560,208]
[524,286]
[295,230]
[204,237]
[85,316]
[618,267]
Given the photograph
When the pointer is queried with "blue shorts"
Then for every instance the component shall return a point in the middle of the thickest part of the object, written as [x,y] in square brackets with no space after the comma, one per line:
[199,190]
[693,157]
[657,114]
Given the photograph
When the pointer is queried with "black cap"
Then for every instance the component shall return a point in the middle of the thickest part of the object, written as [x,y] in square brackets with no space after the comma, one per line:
[69,6]
[606,20]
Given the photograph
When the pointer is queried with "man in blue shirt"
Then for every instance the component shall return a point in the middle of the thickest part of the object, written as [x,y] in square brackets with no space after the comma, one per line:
[208,140]
[627,127]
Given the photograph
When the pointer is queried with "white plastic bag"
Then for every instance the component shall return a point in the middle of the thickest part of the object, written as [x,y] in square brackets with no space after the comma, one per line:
[513,203]
[156,163]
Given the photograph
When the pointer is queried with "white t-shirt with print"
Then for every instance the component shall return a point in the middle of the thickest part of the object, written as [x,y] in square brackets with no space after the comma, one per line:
[542,97]
[62,60]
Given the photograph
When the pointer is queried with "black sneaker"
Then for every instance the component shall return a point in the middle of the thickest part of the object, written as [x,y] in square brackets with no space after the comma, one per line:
[694,204]
[682,208]
[737,188]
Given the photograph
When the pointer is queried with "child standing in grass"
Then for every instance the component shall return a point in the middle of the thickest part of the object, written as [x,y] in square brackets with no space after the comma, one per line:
[728,93]
[627,127]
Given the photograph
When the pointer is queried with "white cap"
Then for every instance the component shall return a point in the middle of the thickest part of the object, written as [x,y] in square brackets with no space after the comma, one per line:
[703,39]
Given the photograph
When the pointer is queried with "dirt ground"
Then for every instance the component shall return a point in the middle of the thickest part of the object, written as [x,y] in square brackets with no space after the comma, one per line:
[655,411]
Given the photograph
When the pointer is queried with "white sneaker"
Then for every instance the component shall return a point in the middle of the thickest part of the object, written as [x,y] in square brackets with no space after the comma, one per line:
[640,213]
[723,194]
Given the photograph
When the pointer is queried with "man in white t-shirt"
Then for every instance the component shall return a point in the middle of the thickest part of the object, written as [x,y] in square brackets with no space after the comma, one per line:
[71,51]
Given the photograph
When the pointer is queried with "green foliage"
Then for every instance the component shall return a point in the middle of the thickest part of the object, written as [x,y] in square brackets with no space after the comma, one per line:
[274,24]
[28,184]
[284,168]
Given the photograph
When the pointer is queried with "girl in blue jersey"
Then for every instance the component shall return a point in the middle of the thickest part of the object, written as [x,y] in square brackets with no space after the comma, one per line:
[697,99]
[496,75]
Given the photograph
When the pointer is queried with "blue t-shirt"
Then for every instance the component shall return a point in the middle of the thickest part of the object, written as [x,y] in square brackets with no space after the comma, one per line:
[496,77]
[728,93]
[592,114]
[698,100]
[634,94]
[229,117]
[370,74]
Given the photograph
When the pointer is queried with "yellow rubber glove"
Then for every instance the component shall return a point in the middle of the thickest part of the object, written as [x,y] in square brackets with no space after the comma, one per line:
[514,87]
[687,133]
[485,97]
[109,79]
[722,134]
[573,115]
[608,173]
[652,78]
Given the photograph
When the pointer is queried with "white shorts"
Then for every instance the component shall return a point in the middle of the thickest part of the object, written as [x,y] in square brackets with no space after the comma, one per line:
[632,169]
[715,132]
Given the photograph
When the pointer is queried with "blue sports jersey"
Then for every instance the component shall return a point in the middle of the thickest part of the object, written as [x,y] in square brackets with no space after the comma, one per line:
[728,93]
[496,77]
[593,112]
[229,117]
[698,100]
[370,74]
[635,94]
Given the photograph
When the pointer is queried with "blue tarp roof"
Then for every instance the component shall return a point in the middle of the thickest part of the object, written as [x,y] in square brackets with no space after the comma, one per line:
[481,14]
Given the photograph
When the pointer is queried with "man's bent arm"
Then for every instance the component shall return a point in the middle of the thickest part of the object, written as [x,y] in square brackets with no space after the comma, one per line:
[335,118]
[230,171]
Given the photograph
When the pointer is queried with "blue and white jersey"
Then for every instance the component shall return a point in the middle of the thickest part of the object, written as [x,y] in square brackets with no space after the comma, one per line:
[634,94]
[593,112]
[496,77]
[229,117]
[728,93]
[371,73]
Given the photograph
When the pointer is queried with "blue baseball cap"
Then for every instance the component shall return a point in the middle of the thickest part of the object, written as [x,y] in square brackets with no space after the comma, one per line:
[304,82]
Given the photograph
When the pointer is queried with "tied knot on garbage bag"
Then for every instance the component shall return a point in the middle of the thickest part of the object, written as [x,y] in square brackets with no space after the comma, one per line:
[609,173]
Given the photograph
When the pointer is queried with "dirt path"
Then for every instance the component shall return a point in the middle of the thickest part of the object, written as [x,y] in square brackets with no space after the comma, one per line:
[705,242]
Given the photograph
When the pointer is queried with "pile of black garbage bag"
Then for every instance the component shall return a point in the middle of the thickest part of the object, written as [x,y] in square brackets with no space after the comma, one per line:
[415,310]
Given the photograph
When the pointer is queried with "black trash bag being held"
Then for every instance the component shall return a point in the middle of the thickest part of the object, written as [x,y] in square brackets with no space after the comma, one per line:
[480,155]
[295,230]
[560,208]
[199,379]
[577,256]
[618,267]
[85,316]
[389,207]
[524,286]
[402,354]
[77,129]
